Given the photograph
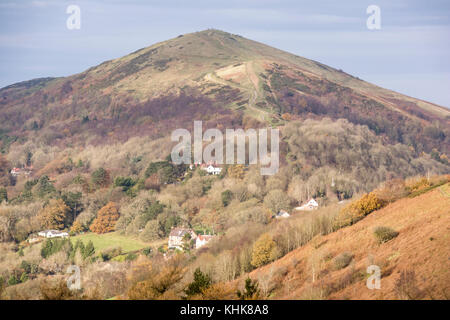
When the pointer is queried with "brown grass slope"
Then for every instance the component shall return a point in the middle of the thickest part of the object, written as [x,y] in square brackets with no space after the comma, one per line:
[422,247]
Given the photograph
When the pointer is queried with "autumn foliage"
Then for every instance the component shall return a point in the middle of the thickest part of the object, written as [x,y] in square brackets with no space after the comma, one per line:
[358,209]
[55,215]
[106,219]
[264,250]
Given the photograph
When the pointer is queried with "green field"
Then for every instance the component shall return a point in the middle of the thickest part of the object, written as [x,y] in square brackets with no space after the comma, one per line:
[111,240]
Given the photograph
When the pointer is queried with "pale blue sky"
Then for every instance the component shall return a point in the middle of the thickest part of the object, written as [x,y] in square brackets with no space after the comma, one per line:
[410,54]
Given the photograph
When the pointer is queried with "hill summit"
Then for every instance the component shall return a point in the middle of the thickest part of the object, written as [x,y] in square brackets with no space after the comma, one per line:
[221,73]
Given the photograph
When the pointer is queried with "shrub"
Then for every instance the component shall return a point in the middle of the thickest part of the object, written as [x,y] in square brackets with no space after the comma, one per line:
[131,256]
[125,182]
[342,260]
[251,290]
[108,254]
[384,234]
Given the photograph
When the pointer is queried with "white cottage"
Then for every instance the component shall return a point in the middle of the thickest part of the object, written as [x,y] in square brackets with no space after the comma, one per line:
[211,169]
[177,235]
[310,205]
[282,214]
[53,234]
[202,240]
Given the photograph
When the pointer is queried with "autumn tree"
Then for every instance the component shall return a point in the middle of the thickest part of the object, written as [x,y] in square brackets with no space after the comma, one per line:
[358,209]
[55,215]
[277,200]
[77,227]
[236,171]
[264,250]
[160,283]
[106,219]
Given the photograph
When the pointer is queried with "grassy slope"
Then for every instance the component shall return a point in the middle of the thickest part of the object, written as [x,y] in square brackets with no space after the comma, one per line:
[110,240]
[423,245]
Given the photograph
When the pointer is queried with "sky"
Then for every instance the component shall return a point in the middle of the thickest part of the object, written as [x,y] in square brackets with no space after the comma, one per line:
[410,53]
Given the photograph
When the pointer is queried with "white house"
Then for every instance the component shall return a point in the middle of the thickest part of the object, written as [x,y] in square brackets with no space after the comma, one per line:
[53,234]
[177,235]
[282,214]
[202,240]
[212,169]
[310,205]
[22,171]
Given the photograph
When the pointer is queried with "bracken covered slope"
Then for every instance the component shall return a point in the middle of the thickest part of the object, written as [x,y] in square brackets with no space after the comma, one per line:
[420,252]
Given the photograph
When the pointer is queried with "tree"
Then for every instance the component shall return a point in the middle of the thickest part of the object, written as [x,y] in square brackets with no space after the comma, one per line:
[73,201]
[106,219]
[277,200]
[88,251]
[55,215]
[251,290]
[264,250]
[76,227]
[3,195]
[159,284]
[23,277]
[125,182]
[5,176]
[100,178]
[236,171]
[45,187]
[13,280]
[150,232]
[201,282]
[227,195]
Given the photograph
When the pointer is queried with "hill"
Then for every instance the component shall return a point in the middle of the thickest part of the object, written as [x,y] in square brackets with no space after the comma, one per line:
[213,76]
[414,265]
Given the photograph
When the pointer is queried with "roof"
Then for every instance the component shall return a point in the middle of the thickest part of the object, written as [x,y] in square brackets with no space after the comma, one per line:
[206,237]
[179,232]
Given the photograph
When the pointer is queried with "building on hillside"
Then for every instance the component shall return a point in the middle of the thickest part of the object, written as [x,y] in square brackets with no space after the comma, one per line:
[213,169]
[177,235]
[26,171]
[53,234]
[202,240]
[32,240]
[282,214]
[310,205]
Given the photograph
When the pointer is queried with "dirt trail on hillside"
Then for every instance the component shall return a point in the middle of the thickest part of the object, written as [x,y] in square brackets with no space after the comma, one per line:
[254,82]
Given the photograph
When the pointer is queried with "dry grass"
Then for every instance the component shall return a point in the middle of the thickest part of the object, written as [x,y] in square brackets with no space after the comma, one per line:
[422,246]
